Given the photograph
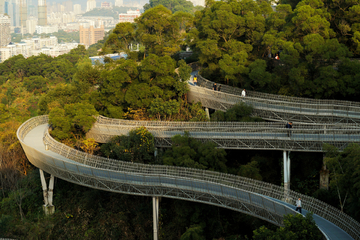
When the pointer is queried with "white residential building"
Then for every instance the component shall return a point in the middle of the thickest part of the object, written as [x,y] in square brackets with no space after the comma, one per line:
[5,36]
[77,9]
[119,3]
[129,16]
[90,5]
[31,25]
[35,46]
[46,29]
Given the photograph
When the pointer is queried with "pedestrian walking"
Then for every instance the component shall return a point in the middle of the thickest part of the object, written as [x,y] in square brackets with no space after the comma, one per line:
[243,93]
[195,80]
[289,127]
[298,205]
[219,89]
[214,87]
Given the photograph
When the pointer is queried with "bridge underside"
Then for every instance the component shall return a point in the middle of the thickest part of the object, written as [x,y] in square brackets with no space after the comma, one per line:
[282,144]
[107,184]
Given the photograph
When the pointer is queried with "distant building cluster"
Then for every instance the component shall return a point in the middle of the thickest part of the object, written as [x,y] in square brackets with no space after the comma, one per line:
[129,16]
[35,46]
[21,16]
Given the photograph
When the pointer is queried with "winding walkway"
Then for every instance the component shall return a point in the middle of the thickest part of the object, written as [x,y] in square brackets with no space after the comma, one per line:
[316,123]
[256,198]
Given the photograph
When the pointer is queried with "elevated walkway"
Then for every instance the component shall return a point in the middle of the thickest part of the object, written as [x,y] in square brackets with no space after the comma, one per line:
[236,135]
[256,198]
[315,122]
[275,107]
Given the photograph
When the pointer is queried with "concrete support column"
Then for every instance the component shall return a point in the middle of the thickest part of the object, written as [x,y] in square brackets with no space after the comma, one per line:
[155,152]
[324,176]
[156,216]
[286,158]
[207,113]
[48,207]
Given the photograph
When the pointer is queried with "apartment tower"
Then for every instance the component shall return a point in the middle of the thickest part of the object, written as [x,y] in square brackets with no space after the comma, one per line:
[91,35]
[42,13]
[5,36]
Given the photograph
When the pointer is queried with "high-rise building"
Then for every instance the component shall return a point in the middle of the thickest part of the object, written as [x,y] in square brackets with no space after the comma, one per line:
[91,35]
[90,5]
[23,13]
[5,36]
[31,25]
[2,6]
[42,13]
[68,6]
[77,9]
[12,10]
[119,3]
[32,10]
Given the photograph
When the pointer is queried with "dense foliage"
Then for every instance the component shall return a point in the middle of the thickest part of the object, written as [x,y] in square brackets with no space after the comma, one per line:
[235,43]
[107,12]
[296,227]
[174,6]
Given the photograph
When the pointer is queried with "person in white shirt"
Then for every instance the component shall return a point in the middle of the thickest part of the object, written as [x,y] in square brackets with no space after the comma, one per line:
[243,93]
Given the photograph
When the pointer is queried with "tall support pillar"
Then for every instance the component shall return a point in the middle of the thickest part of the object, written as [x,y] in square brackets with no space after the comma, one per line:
[324,176]
[207,113]
[286,158]
[156,216]
[155,152]
[48,207]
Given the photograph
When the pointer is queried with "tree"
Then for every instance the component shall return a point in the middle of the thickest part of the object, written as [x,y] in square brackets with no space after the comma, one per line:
[238,113]
[121,37]
[137,147]
[159,32]
[193,233]
[296,227]
[74,119]
[189,152]
[173,5]
[345,176]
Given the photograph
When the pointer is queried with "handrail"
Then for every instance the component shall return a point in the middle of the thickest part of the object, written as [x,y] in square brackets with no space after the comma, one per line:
[318,207]
[205,83]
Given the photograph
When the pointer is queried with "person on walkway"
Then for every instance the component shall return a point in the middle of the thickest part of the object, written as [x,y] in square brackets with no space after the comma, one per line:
[243,93]
[214,87]
[298,205]
[289,127]
[219,88]
[277,57]
[195,80]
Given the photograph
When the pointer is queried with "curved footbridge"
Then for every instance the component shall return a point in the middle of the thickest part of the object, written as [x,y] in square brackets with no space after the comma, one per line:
[275,107]
[315,122]
[256,198]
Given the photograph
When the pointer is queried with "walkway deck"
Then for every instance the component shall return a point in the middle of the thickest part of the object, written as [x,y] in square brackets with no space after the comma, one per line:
[258,205]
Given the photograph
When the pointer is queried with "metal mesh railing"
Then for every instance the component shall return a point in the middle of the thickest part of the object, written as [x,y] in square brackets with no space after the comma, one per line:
[272,97]
[320,208]
[325,108]
[262,135]
[31,123]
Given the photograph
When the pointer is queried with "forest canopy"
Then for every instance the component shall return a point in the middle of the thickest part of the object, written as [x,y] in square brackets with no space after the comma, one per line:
[316,45]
